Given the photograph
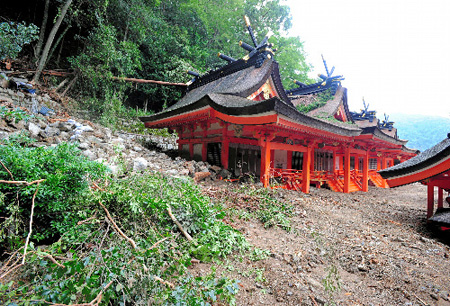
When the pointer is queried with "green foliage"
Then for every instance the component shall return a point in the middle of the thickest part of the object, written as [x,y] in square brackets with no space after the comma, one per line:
[64,170]
[13,36]
[105,56]
[93,255]
[15,115]
[320,100]
[292,59]
[206,290]
[270,210]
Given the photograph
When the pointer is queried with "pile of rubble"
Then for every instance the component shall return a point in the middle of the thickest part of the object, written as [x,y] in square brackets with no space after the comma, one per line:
[121,152]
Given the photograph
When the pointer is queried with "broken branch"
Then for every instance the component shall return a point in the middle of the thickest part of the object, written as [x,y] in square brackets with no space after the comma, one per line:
[186,234]
[148,81]
[22,182]
[131,241]
[7,170]
[31,224]
[164,282]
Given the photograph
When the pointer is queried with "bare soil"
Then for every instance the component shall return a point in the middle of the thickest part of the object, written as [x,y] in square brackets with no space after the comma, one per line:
[371,248]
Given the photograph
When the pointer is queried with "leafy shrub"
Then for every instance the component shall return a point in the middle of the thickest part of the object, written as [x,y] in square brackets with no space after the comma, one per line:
[13,36]
[58,205]
[15,115]
[93,255]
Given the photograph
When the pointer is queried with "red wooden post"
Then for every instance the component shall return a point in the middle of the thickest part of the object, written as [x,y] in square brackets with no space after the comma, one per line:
[265,161]
[365,178]
[440,197]
[306,172]
[378,164]
[347,170]
[205,144]
[384,163]
[430,198]
[357,162]
[225,146]
[289,160]
[204,151]
[224,152]
[312,158]
[334,161]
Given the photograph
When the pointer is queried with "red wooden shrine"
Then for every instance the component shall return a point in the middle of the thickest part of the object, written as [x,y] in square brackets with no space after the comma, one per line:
[431,167]
[241,118]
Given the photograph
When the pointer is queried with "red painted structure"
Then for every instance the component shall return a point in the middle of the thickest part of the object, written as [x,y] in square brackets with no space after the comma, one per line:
[241,118]
[431,167]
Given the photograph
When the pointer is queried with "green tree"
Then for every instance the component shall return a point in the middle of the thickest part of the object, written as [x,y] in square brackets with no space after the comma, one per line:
[13,36]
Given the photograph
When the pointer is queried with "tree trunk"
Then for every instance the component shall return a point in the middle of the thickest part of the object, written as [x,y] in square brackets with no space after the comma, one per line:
[50,39]
[42,34]
[58,41]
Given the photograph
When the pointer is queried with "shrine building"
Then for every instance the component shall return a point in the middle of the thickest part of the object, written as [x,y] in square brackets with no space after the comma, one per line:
[431,167]
[241,118]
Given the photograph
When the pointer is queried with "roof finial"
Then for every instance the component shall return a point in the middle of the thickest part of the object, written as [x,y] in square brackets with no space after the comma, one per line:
[250,30]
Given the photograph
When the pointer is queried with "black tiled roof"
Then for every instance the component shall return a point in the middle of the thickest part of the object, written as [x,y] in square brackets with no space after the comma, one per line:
[425,159]
[377,132]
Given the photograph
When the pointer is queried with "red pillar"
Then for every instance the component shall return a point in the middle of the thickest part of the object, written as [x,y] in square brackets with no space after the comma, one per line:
[347,170]
[272,158]
[204,151]
[341,162]
[365,178]
[430,206]
[225,146]
[205,144]
[384,163]
[440,197]
[334,161]
[289,160]
[312,159]
[306,170]
[265,162]
[224,152]
[378,164]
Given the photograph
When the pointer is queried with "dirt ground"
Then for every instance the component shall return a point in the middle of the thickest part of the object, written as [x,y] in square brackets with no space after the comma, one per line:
[369,248]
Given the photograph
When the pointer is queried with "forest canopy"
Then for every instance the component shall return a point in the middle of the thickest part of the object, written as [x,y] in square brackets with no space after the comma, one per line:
[157,40]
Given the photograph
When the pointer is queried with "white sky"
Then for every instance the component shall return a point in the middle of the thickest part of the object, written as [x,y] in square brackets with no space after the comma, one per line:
[394,53]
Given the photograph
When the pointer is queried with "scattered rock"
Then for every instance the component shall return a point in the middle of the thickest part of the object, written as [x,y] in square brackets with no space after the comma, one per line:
[89,154]
[200,176]
[34,129]
[51,131]
[140,164]
[83,146]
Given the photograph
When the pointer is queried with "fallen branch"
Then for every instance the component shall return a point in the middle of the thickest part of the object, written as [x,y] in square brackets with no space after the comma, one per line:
[420,299]
[156,244]
[31,224]
[148,81]
[70,85]
[164,282]
[393,222]
[54,260]
[7,170]
[87,220]
[186,234]
[22,182]
[131,241]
